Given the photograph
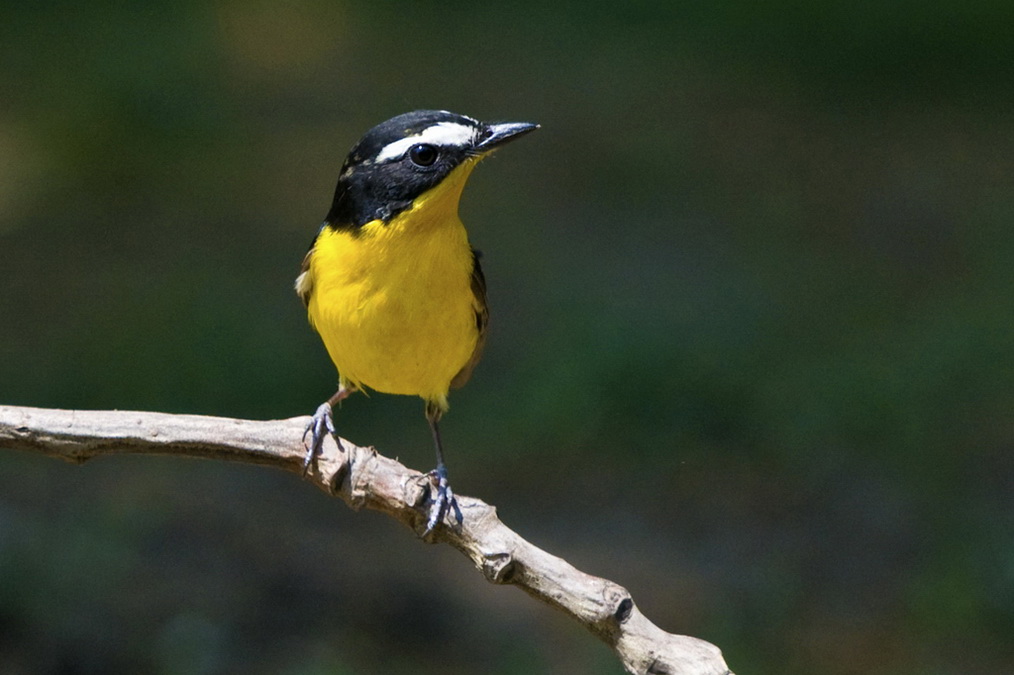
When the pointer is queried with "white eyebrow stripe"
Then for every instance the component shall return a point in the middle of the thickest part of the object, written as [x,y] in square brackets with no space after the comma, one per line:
[443,133]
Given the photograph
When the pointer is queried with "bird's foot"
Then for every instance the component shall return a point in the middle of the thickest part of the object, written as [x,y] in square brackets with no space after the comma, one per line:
[321,424]
[443,501]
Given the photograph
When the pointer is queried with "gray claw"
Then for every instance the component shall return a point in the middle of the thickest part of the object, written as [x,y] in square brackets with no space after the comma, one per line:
[321,424]
[443,501]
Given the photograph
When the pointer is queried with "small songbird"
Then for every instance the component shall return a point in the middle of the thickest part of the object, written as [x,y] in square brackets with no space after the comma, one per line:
[390,282]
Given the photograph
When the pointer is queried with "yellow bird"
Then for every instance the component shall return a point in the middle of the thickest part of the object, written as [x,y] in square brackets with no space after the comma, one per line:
[390,282]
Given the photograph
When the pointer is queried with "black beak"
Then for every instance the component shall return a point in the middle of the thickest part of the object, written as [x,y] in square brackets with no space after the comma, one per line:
[495,135]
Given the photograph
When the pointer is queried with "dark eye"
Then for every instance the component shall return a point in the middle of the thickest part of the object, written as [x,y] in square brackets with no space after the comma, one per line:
[423,154]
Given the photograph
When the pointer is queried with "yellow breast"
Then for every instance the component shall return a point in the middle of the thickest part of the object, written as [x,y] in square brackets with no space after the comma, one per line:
[393,302]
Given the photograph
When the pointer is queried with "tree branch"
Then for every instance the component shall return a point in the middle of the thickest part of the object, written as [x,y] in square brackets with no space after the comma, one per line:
[364,478]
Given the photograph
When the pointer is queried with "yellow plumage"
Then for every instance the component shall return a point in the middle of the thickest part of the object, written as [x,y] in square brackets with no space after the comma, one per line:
[394,303]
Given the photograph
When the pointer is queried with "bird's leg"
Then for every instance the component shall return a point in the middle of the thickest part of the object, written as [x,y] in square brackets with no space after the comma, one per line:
[445,496]
[322,423]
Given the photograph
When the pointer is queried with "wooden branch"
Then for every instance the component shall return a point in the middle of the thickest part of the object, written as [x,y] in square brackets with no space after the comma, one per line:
[364,478]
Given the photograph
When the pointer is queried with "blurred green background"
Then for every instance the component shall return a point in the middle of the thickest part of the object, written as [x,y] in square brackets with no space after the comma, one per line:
[751,352]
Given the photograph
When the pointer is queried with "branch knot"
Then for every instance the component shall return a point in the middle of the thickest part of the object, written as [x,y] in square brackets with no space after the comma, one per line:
[624,609]
[498,568]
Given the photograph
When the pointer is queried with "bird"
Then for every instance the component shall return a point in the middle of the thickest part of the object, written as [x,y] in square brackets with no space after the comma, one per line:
[391,283]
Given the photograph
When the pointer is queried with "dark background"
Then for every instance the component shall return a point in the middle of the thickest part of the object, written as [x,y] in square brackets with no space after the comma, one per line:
[751,352]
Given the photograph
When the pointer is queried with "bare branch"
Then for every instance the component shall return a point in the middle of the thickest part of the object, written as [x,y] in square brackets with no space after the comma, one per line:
[364,478]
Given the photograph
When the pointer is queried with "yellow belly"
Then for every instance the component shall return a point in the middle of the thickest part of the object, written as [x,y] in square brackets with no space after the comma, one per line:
[393,303]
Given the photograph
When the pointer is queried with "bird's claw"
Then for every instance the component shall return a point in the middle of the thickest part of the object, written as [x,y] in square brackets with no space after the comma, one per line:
[442,502]
[321,424]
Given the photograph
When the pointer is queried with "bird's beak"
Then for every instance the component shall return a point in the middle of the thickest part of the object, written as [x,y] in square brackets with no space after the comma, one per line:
[496,135]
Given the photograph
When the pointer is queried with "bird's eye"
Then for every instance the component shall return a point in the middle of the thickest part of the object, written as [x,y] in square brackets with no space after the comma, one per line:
[423,154]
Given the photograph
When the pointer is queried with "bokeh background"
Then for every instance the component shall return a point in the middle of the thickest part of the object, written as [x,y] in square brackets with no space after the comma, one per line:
[751,352]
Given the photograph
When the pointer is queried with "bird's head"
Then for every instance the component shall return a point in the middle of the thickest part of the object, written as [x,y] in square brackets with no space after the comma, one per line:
[404,158]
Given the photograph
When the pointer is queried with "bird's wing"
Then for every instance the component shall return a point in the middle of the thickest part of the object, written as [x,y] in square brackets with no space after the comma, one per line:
[304,282]
[481,321]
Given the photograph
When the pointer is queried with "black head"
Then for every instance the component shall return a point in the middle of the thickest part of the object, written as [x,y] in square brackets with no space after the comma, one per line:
[400,159]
